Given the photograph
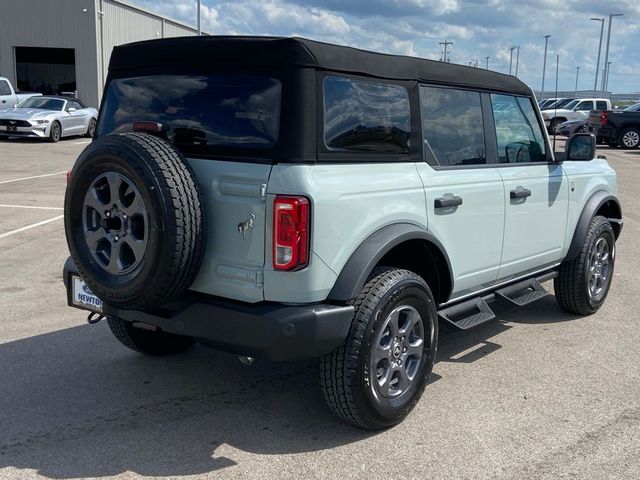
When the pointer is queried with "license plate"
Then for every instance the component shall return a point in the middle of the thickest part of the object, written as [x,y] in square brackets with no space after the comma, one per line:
[83,297]
[12,128]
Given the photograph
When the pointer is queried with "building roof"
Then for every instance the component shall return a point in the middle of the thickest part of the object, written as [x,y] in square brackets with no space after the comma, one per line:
[215,52]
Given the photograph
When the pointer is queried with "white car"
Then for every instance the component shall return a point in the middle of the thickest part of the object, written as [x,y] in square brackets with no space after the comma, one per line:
[575,110]
[48,117]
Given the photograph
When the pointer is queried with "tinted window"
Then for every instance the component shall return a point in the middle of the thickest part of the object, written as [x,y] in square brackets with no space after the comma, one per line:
[366,116]
[585,106]
[452,125]
[518,131]
[197,112]
[4,88]
[601,105]
[43,103]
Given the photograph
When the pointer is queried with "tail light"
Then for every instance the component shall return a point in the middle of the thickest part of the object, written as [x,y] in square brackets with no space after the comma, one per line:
[291,224]
[603,119]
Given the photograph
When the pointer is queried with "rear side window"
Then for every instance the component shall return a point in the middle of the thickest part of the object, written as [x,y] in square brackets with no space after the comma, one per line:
[601,105]
[452,125]
[366,116]
[197,113]
[520,138]
[4,88]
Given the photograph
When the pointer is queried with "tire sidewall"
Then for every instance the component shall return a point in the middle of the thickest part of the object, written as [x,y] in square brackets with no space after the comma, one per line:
[112,155]
[414,292]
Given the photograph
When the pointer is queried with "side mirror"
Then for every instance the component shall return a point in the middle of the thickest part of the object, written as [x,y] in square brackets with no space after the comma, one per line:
[71,110]
[581,147]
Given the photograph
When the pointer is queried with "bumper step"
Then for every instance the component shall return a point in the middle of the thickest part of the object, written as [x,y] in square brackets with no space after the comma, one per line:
[468,314]
[522,293]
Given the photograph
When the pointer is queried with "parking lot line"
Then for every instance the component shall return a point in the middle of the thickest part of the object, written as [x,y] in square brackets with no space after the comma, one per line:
[81,143]
[31,207]
[33,225]
[35,176]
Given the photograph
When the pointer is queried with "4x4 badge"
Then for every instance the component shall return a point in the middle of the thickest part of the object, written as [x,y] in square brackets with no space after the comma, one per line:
[246,226]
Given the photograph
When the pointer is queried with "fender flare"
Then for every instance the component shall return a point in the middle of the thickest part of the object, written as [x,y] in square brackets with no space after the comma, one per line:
[363,260]
[597,200]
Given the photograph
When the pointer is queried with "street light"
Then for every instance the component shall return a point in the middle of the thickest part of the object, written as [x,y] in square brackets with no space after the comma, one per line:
[606,85]
[544,64]
[487,65]
[595,83]
[511,49]
[517,59]
[199,7]
[606,54]
[577,73]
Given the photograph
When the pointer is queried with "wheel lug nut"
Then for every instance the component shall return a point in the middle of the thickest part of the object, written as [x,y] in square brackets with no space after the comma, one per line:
[117,238]
[107,214]
[404,349]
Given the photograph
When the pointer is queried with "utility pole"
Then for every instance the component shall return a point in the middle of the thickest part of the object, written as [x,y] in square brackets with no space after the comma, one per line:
[595,82]
[517,59]
[487,66]
[445,46]
[606,52]
[511,49]
[577,73]
[199,7]
[544,63]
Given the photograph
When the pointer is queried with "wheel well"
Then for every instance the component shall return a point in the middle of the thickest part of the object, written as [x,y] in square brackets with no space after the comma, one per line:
[425,259]
[611,209]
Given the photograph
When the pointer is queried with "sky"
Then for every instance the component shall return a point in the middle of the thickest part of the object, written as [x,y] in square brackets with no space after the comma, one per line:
[477,28]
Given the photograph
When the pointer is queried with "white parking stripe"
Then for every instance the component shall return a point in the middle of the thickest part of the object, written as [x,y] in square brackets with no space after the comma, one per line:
[81,143]
[29,227]
[30,178]
[30,206]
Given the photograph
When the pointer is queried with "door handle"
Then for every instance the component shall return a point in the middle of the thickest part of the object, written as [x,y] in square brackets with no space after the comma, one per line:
[447,201]
[520,193]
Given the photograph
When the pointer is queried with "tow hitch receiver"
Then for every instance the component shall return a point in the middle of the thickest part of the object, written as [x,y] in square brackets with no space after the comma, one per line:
[94,317]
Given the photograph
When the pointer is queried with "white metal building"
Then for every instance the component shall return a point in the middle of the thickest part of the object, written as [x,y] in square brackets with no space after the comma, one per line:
[59,46]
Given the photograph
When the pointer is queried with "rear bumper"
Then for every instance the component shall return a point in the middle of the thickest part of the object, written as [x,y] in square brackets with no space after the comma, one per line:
[269,330]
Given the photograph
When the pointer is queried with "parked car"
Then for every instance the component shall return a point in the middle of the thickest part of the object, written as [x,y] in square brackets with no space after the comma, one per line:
[617,128]
[542,104]
[572,127]
[48,117]
[313,200]
[8,96]
[575,110]
[560,103]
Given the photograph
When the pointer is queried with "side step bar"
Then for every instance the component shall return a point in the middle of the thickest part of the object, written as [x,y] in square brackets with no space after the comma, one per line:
[474,312]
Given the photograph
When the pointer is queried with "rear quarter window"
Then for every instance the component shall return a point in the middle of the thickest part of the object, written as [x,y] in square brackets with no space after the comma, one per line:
[197,113]
[365,116]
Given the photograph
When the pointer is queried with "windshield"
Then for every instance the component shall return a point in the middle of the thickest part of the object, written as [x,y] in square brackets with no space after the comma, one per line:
[42,103]
[561,103]
[633,108]
[571,104]
[196,113]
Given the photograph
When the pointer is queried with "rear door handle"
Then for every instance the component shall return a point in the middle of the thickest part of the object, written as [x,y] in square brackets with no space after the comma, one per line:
[520,193]
[447,201]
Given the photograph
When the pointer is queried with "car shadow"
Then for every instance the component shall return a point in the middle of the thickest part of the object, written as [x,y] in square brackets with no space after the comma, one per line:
[76,404]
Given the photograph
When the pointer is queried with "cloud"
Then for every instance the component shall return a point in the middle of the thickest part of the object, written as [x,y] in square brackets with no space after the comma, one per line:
[478,28]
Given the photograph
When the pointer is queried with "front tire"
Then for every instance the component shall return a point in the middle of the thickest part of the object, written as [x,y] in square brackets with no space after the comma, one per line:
[55,133]
[149,342]
[91,129]
[378,376]
[583,283]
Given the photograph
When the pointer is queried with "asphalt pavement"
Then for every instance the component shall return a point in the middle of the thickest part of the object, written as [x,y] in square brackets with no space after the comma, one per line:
[536,394]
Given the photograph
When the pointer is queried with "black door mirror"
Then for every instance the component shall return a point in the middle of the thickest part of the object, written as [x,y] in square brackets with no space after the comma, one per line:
[581,147]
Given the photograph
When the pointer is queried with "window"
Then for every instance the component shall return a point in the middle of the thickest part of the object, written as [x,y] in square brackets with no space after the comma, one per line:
[518,131]
[452,125]
[601,105]
[4,88]
[366,116]
[588,105]
[75,105]
[197,112]
[42,103]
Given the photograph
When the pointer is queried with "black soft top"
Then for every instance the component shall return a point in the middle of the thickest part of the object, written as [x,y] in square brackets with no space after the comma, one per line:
[284,53]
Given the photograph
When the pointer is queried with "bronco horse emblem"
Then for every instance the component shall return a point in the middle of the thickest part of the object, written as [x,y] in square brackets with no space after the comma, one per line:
[246,226]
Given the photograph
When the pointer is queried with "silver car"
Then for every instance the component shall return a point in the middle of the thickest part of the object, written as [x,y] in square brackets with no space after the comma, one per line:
[48,117]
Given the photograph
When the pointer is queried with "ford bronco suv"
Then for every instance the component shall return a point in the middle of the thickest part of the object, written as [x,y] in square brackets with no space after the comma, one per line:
[289,199]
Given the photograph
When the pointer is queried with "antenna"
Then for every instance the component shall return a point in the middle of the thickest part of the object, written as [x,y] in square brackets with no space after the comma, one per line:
[555,108]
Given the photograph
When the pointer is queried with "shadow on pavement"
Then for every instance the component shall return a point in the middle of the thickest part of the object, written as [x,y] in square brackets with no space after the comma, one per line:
[75,403]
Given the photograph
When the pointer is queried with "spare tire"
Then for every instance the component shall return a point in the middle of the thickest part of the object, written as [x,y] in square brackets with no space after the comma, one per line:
[134,220]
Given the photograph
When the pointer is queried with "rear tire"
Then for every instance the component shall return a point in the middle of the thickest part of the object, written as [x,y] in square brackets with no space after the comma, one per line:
[583,283]
[378,376]
[630,138]
[149,342]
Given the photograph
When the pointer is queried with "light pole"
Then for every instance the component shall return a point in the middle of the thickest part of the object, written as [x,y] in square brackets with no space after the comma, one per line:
[511,49]
[487,64]
[606,85]
[577,73]
[544,63]
[595,83]
[517,59]
[606,52]
[199,7]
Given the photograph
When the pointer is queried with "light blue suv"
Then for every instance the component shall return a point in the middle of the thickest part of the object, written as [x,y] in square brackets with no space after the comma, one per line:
[289,199]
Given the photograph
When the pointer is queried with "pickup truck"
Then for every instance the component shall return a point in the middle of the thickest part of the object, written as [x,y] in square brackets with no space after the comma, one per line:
[617,128]
[576,110]
[8,96]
